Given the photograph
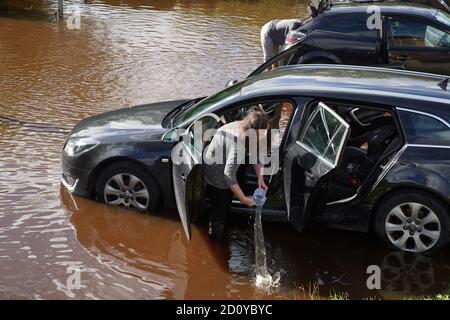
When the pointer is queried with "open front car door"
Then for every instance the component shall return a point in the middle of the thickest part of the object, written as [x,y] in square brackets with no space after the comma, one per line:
[317,151]
[186,168]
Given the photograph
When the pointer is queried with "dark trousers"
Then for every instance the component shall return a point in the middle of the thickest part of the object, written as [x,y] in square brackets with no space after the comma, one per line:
[220,203]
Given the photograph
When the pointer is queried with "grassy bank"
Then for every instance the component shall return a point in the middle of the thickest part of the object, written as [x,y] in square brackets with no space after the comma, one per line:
[312,292]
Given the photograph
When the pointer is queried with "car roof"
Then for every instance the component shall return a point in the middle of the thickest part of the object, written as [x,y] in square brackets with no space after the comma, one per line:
[385,8]
[407,89]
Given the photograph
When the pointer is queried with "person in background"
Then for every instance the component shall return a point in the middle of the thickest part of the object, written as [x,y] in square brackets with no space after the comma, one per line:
[273,35]
[221,181]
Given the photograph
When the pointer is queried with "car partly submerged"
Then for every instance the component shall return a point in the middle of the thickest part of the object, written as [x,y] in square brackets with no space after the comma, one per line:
[363,149]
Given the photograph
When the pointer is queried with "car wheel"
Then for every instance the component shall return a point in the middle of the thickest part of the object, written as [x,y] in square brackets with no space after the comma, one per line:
[413,221]
[129,185]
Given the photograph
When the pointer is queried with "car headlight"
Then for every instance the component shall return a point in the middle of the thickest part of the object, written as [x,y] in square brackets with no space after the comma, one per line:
[77,146]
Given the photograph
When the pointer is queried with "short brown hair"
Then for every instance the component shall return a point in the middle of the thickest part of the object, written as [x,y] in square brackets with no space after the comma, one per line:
[256,119]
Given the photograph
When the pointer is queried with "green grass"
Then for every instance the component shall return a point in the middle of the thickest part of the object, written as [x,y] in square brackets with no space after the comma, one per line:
[437,297]
[312,292]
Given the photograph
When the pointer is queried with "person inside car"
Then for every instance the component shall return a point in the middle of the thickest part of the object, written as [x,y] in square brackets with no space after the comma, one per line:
[220,176]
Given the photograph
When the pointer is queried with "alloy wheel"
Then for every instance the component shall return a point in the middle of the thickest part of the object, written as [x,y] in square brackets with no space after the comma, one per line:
[413,227]
[126,190]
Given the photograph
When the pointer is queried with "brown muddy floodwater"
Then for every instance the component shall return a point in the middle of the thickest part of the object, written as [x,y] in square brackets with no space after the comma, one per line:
[127,53]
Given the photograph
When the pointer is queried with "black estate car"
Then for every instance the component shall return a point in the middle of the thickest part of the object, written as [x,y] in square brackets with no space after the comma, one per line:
[362,148]
[410,36]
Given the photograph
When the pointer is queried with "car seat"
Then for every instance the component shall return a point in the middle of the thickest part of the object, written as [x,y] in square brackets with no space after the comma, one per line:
[357,163]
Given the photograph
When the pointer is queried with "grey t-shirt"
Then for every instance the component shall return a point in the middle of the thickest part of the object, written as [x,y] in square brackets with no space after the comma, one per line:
[221,159]
[279,29]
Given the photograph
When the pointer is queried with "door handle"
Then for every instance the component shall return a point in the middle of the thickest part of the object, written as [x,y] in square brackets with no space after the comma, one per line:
[402,57]
[309,175]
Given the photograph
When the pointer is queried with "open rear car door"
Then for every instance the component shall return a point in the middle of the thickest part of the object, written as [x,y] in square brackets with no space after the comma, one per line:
[316,152]
[186,168]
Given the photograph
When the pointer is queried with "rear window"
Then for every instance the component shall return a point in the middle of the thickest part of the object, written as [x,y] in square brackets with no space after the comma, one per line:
[424,129]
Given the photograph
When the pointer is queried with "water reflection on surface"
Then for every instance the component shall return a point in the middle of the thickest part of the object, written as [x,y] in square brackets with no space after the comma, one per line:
[130,52]
[153,254]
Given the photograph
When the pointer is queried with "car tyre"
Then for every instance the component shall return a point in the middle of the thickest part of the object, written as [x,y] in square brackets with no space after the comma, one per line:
[413,221]
[127,184]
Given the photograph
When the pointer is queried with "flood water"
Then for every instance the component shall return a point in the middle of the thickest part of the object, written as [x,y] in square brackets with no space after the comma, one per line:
[129,52]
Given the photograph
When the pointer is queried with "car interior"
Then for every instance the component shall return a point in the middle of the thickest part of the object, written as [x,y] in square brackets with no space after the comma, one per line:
[280,113]
[373,135]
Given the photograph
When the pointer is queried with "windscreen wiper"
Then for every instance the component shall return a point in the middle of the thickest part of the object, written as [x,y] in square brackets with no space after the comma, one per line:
[180,110]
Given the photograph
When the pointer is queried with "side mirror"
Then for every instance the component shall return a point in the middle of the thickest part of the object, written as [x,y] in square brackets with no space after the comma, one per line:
[171,135]
[231,83]
[174,135]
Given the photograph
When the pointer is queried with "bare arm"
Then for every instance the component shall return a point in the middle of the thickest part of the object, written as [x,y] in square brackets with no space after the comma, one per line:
[236,189]
[258,169]
[259,173]
[231,168]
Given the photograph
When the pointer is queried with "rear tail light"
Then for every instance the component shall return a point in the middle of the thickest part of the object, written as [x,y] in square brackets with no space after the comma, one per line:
[294,37]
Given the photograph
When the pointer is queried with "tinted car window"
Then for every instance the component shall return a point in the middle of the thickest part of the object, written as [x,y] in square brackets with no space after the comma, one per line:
[348,23]
[423,129]
[408,32]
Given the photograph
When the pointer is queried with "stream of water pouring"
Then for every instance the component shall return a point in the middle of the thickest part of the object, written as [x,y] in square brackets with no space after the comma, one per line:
[264,280]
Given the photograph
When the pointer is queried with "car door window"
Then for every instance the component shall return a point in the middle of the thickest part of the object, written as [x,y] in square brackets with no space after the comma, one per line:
[198,134]
[325,134]
[416,33]
[348,23]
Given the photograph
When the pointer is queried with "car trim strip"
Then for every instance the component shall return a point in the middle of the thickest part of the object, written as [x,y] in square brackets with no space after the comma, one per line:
[389,166]
[428,146]
[343,200]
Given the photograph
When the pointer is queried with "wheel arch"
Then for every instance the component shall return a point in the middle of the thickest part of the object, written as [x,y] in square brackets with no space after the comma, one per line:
[405,188]
[93,177]
[319,55]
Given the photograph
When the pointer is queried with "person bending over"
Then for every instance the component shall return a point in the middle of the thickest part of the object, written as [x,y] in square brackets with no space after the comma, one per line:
[273,35]
[220,176]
